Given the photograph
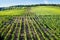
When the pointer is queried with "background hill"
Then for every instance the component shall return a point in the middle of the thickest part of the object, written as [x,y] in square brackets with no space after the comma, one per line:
[39,9]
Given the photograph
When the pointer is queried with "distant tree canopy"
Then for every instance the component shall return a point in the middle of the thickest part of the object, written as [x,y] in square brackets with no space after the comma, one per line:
[0,8]
[38,5]
[21,6]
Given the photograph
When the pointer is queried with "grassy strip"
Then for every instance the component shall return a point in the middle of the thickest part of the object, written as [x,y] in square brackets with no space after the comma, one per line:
[19,29]
[14,32]
[25,30]
[6,37]
[39,28]
[29,29]
[34,29]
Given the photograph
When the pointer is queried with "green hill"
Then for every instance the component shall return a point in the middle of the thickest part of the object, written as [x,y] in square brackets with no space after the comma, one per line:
[38,10]
[46,10]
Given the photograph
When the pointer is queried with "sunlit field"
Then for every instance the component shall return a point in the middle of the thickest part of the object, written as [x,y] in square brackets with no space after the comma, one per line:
[30,23]
[46,10]
[13,12]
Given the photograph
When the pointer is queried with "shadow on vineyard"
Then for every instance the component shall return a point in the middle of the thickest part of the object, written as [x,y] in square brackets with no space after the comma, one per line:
[1,38]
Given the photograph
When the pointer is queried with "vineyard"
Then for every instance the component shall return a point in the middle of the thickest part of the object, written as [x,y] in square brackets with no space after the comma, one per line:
[30,27]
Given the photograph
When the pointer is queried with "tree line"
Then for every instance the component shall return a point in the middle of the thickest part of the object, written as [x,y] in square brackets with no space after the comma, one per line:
[21,6]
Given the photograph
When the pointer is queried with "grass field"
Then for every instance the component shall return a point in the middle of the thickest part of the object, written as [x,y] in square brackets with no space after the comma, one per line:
[38,10]
[13,12]
[31,23]
[46,10]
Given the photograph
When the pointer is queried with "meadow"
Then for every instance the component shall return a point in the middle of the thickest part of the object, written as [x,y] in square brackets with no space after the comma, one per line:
[12,12]
[46,10]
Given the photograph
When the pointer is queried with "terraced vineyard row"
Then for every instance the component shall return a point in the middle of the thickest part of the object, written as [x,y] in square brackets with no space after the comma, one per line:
[30,27]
